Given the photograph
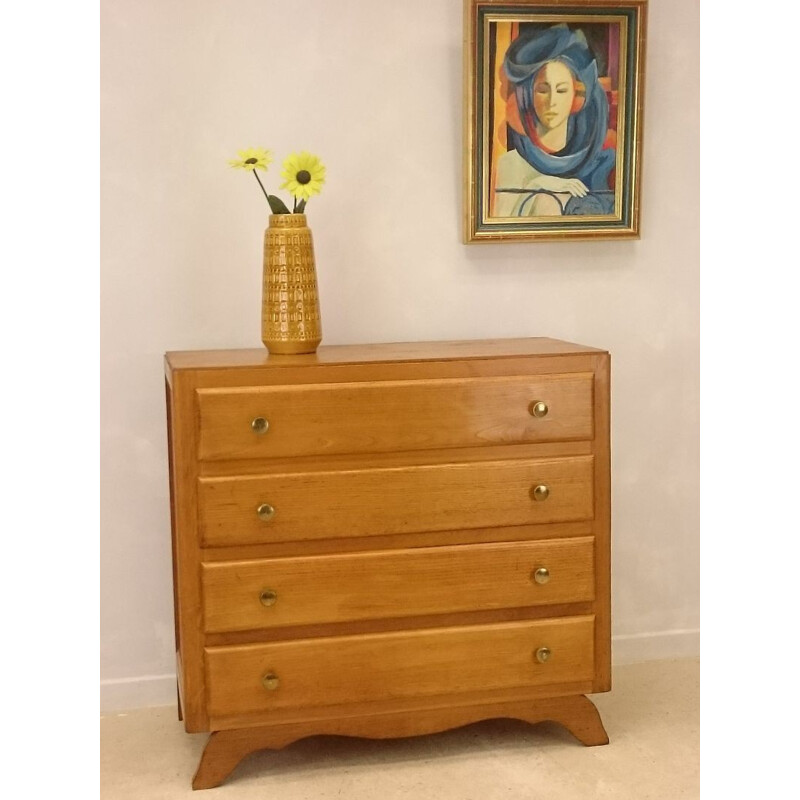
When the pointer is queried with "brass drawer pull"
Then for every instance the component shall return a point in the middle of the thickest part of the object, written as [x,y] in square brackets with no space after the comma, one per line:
[543,654]
[541,575]
[265,512]
[538,408]
[270,681]
[541,492]
[260,425]
[268,597]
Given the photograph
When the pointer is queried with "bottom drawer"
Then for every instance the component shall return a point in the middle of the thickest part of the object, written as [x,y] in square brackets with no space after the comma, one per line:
[386,666]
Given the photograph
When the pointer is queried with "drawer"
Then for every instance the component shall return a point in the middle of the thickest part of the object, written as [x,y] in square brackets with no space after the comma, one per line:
[246,595]
[391,416]
[371,502]
[375,667]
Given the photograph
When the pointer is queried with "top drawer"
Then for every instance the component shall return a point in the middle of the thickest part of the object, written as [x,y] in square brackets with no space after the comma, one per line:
[392,416]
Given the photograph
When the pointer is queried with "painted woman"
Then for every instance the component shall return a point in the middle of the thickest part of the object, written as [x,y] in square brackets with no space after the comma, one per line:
[560,158]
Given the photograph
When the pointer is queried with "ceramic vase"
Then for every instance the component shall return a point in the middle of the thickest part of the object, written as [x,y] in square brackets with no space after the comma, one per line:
[290,315]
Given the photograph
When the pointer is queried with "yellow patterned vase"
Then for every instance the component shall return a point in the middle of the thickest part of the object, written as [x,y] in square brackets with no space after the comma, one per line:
[290,318]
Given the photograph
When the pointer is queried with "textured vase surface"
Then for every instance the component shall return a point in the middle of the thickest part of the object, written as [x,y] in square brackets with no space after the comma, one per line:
[290,316]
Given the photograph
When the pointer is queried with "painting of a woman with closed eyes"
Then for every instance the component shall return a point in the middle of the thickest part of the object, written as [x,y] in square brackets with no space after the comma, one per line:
[557,117]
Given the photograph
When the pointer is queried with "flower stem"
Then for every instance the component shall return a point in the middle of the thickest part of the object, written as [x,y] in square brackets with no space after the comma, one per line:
[294,208]
[261,185]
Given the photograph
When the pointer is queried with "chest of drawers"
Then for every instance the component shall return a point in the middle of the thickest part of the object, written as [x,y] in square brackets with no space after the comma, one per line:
[388,540]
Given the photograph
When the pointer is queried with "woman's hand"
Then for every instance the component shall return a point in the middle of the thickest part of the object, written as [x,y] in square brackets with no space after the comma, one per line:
[552,183]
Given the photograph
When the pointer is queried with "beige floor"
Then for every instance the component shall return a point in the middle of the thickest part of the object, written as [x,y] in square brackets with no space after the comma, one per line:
[651,715]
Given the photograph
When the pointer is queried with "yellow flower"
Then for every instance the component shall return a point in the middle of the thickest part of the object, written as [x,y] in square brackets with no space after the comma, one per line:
[304,174]
[252,158]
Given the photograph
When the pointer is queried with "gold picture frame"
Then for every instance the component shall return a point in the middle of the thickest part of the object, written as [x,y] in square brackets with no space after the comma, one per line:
[553,100]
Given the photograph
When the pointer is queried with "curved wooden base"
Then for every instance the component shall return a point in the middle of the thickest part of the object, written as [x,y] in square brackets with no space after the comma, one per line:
[225,749]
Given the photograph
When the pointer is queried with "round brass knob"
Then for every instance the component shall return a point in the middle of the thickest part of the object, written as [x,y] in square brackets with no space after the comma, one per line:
[538,408]
[260,425]
[270,681]
[540,492]
[268,597]
[265,512]
[541,575]
[543,654]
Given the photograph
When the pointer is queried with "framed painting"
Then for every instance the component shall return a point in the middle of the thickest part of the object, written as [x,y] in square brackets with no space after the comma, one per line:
[553,119]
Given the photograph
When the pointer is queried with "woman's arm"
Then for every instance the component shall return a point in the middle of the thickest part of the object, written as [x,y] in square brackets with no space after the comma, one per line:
[552,183]
[517,177]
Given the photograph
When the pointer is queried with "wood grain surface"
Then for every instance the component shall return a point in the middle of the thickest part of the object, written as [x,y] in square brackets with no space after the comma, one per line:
[388,352]
[373,502]
[400,583]
[368,668]
[392,416]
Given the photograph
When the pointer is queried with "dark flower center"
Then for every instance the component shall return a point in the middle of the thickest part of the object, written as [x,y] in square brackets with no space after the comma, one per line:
[304,176]
[251,161]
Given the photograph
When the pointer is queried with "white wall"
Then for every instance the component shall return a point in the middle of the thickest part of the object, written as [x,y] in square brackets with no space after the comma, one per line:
[375,89]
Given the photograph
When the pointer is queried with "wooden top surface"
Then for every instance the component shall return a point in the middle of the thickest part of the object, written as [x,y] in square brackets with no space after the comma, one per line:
[376,353]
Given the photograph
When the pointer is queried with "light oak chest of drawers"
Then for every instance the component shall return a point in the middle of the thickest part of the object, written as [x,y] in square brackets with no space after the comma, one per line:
[388,540]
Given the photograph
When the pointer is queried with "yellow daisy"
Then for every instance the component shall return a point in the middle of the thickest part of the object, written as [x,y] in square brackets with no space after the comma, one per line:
[304,175]
[252,158]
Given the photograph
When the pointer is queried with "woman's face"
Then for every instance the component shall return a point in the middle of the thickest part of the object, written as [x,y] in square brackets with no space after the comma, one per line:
[553,93]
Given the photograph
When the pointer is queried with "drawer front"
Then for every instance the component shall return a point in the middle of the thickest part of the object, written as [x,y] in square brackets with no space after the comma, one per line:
[392,416]
[375,667]
[347,503]
[246,595]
